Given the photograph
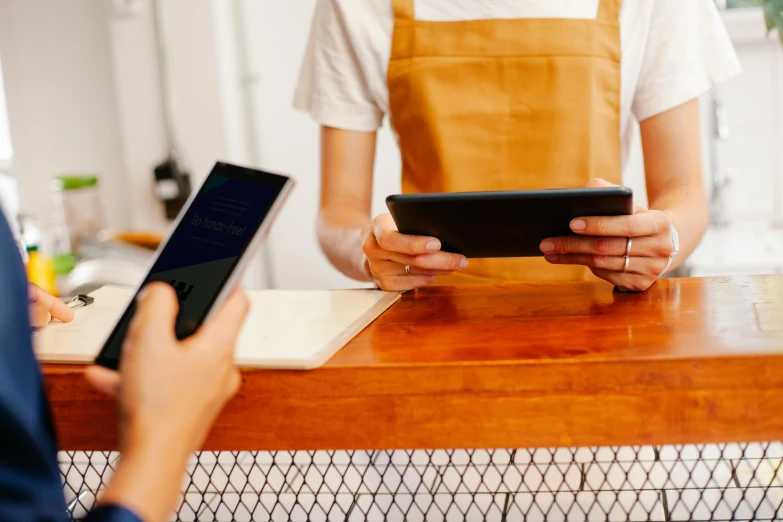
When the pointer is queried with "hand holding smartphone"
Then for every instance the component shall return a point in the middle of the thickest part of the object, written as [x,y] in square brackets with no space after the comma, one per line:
[206,254]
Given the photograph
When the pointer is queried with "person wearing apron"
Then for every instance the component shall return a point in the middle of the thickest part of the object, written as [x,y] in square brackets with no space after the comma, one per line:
[513,95]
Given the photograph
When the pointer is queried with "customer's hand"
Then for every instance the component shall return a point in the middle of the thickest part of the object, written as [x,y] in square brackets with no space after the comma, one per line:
[170,387]
[45,307]
[389,252]
[170,393]
[602,242]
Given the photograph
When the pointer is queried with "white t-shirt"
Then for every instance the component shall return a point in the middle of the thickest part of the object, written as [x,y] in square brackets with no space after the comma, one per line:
[672,51]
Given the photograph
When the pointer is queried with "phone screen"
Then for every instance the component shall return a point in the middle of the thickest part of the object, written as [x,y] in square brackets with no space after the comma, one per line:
[200,255]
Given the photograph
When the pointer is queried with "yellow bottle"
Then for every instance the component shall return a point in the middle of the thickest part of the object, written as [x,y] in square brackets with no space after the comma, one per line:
[40,270]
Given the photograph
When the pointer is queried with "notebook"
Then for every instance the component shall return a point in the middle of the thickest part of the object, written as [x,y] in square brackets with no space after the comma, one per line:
[296,330]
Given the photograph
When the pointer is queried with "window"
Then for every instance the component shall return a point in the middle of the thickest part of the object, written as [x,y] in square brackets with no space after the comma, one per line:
[6,151]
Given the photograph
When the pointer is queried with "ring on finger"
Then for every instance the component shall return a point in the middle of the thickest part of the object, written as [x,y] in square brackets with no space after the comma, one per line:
[628,245]
[407,270]
[627,262]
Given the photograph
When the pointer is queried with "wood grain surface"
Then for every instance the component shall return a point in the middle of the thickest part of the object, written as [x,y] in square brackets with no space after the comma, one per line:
[536,365]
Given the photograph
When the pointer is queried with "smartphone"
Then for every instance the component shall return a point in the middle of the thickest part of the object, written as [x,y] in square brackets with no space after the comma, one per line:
[205,255]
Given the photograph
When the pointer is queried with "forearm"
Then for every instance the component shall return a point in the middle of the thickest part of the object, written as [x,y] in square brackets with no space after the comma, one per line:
[672,164]
[148,480]
[346,195]
[686,207]
[341,236]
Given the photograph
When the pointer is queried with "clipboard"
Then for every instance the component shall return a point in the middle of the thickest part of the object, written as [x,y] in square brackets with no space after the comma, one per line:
[295,330]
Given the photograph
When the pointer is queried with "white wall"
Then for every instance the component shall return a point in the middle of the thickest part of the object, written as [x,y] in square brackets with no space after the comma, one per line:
[6,149]
[61,101]
[754,106]
[134,68]
[287,141]
[205,86]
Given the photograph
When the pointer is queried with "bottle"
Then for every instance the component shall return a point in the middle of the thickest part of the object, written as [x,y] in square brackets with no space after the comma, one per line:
[51,259]
[40,269]
[63,257]
[77,200]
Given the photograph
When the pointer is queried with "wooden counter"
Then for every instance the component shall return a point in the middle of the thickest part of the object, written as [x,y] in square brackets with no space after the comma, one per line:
[538,365]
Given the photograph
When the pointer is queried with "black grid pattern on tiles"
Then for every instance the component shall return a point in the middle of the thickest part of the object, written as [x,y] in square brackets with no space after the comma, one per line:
[716,482]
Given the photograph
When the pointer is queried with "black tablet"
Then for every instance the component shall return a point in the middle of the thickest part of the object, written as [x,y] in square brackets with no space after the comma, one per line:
[503,224]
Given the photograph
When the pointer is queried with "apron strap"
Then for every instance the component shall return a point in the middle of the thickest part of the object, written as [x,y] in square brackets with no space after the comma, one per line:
[609,10]
[403,10]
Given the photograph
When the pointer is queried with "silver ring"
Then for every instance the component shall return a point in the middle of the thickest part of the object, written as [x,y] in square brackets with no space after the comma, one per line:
[407,270]
[627,262]
[628,245]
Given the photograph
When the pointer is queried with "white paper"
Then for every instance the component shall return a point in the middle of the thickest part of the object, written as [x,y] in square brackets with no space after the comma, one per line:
[284,329]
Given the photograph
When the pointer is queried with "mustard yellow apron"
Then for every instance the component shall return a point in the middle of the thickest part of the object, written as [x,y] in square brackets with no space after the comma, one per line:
[506,105]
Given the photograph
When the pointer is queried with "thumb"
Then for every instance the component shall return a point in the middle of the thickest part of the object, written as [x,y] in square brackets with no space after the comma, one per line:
[600,183]
[156,313]
[385,221]
[225,326]
[103,379]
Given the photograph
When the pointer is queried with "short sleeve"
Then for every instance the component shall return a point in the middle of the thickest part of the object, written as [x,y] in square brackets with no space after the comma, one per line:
[332,86]
[688,52]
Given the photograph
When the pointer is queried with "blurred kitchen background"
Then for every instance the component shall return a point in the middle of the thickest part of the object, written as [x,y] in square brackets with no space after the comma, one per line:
[110,109]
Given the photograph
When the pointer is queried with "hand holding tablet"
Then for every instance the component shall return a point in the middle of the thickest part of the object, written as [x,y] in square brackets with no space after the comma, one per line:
[593,226]
[399,262]
[631,252]
[597,226]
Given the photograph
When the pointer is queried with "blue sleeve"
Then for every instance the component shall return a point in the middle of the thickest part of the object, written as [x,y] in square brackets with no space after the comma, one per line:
[30,487]
[112,514]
